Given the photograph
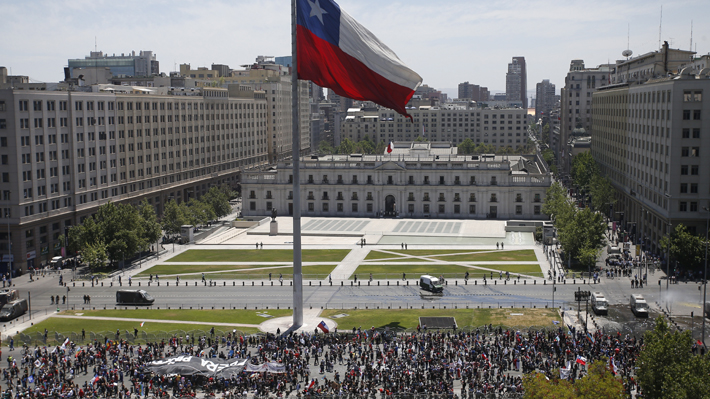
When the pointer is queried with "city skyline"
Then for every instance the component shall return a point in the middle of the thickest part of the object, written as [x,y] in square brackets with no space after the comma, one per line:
[477,44]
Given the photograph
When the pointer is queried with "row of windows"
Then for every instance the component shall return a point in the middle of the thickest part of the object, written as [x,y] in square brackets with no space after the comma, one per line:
[354,196]
[79,105]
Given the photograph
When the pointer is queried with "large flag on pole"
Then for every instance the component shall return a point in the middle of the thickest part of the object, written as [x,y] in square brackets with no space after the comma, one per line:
[335,51]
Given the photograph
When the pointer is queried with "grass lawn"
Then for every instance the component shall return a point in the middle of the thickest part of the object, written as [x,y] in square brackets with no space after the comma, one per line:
[259,255]
[192,272]
[208,316]
[433,252]
[449,271]
[68,326]
[465,318]
[523,255]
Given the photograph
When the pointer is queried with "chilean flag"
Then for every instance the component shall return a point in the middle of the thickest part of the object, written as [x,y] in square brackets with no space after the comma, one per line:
[323,327]
[581,360]
[335,51]
[389,148]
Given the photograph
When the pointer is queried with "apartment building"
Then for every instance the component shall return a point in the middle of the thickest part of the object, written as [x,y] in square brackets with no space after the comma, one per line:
[65,153]
[651,139]
[499,127]
[417,180]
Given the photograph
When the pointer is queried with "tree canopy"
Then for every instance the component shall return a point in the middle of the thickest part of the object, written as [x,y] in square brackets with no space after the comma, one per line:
[685,248]
[115,232]
[598,383]
[667,368]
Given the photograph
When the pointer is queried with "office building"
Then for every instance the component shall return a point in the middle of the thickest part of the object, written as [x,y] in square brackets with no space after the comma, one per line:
[65,153]
[143,64]
[417,180]
[651,140]
[545,99]
[576,105]
[516,82]
[468,91]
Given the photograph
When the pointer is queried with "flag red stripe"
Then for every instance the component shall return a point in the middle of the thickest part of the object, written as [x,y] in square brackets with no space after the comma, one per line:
[328,66]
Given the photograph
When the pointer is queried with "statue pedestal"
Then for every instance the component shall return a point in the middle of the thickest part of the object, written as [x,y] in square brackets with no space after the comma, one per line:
[274,228]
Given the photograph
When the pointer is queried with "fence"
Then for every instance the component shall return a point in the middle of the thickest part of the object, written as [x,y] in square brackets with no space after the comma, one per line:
[58,338]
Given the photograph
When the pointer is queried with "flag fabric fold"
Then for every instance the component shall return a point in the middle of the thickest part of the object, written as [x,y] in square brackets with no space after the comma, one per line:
[335,51]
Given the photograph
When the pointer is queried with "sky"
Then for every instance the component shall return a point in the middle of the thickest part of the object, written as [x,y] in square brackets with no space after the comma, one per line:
[446,42]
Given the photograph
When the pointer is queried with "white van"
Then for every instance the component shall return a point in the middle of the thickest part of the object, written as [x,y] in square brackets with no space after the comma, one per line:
[430,283]
[612,249]
[638,305]
[599,303]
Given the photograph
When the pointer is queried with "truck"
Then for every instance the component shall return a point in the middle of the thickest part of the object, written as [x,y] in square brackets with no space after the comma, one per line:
[638,305]
[8,296]
[13,310]
[599,303]
[56,262]
[430,283]
[134,297]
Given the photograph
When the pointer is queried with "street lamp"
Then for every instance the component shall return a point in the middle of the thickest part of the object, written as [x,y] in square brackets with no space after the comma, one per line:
[670,232]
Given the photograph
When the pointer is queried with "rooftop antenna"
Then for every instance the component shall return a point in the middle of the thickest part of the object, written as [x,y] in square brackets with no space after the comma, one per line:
[691,35]
[660,24]
[626,53]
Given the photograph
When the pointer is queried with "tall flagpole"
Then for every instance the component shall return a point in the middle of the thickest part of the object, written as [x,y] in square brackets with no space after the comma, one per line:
[296,149]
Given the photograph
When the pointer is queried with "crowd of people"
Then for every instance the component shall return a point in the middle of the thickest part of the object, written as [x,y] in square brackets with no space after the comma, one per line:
[486,362]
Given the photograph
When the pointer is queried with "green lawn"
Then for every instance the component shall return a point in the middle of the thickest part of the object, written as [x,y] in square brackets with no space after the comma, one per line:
[432,252]
[259,255]
[108,327]
[240,316]
[454,255]
[465,318]
[449,271]
[192,272]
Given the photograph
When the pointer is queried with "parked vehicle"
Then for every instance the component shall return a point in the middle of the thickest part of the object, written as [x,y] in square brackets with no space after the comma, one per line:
[8,296]
[638,305]
[599,303]
[612,249]
[430,283]
[134,297]
[56,262]
[13,310]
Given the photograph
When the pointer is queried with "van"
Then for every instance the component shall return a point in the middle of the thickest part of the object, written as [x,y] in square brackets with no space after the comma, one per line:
[56,262]
[612,249]
[134,297]
[599,303]
[430,283]
[638,305]
[13,310]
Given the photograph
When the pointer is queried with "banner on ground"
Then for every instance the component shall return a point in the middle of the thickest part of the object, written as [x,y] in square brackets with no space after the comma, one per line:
[193,365]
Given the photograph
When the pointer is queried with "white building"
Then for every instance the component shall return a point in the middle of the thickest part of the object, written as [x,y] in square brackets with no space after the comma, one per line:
[418,180]
[498,127]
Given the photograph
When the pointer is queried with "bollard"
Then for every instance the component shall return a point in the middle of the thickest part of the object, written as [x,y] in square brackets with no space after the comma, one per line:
[290,283]
[397,282]
[272,283]
[168,284]
[74,284]
[475,282]
[544,282]
[262,284]
[407,282]
[139,283]
[524,282]
[252,283]
[282,283]
[534,282]
[320,283]
[388,283]
[505,282]
[82,284]
[514,282]
[574,281]
[495,282]
[234,283]
[351,284]
[309,283]
[378,283]
[456,282]
[102,283]
[358,283]
[185,283]
[342,283]
[242,283]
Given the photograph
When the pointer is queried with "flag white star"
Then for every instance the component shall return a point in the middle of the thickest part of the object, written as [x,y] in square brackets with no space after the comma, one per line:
[316,11]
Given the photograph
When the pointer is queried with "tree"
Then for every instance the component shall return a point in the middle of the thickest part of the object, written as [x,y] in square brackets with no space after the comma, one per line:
[687,249]
[218,201]
[583,169]
[116,229]
[200,212]
[602,193]
[598,383]
[668,368]
[346,146]
[466,147]
[174,217]
[151,230]
[324,148]
[94,254]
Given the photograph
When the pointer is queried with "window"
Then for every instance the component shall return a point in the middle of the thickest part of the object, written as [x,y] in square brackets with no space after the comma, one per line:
[354,207]
[695,152]
[693,206]
[472,209]
[426,208]
[518,209]
[442,208]
[694,188]
[683,169]
[457,208]
[339,207]
[696,114]
[683,206]
[311,207]
[694,170]
[252,206]
[686,114]
[684,151]
[369,207]
[494,198]
[684,188]
[536,210]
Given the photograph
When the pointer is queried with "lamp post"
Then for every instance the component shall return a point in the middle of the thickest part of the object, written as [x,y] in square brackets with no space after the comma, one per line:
[668,250]
[705,272]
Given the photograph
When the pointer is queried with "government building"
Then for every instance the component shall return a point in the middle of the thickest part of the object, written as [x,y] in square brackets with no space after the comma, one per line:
[416,180]
[66,152]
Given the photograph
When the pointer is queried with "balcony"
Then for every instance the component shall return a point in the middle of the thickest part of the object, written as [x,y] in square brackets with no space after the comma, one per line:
[310,180]
[354,181]
[339,197]
[324,181]
[518,200]
[325,198]
[311,197]
[340,181]
[290,196]
[494,183]
[493,199]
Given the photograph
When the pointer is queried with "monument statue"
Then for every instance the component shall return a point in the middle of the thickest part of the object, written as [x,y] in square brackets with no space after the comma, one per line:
[273,214]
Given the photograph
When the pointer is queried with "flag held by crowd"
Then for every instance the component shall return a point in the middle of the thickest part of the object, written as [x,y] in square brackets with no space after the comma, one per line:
[335,51]
[323,327]
[581,360]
